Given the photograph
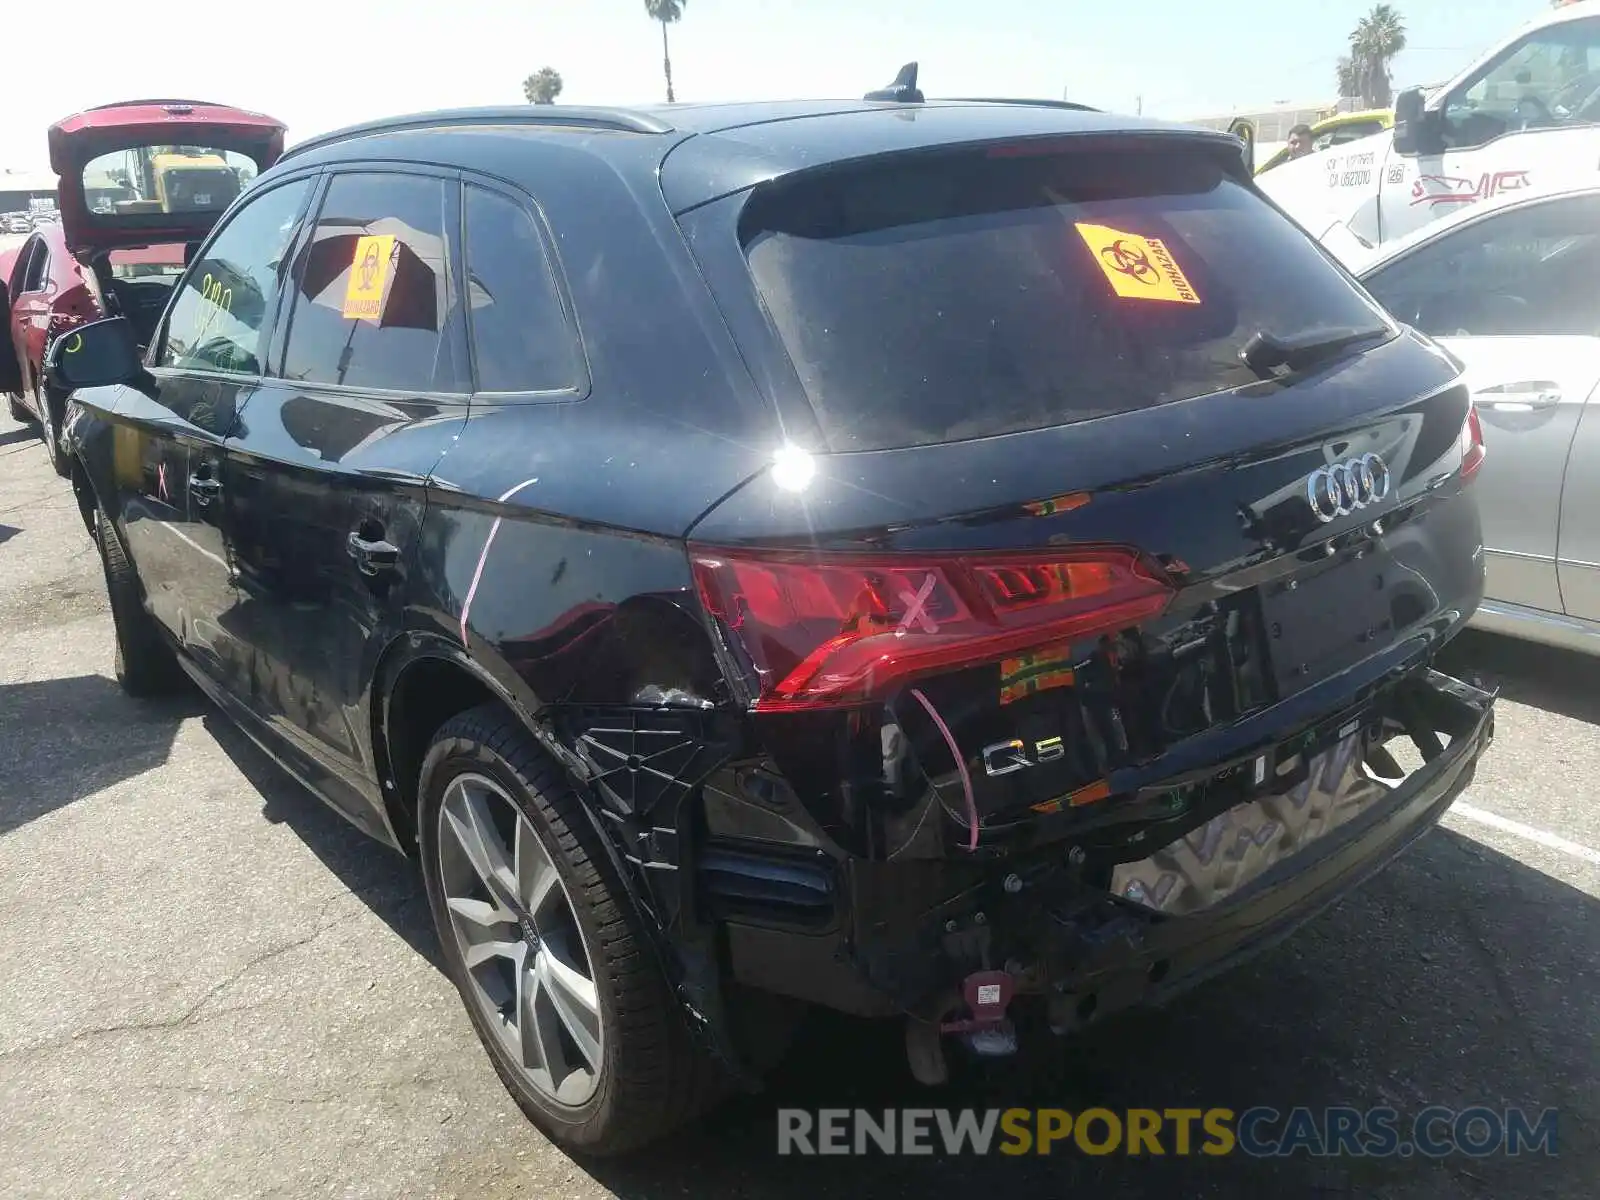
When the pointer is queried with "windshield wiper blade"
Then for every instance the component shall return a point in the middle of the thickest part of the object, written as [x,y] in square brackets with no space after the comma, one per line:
[1264,352]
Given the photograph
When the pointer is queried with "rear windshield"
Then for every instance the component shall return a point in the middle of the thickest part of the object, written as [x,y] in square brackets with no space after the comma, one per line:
[946,297]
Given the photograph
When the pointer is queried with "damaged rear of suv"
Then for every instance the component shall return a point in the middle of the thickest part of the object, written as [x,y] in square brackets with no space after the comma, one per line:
[967,563]
[1072,658]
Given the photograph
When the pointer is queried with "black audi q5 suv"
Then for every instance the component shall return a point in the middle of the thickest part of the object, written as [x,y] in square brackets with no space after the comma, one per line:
[963,563]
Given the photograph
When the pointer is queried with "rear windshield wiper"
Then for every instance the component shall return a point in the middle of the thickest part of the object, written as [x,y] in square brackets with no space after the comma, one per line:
[1264,352]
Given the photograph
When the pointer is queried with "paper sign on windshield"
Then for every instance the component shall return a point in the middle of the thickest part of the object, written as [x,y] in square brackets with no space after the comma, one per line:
[1139,268]
[369,271]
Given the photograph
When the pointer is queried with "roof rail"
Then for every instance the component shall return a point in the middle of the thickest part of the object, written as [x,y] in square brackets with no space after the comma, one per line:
[558,116]
[1029,100]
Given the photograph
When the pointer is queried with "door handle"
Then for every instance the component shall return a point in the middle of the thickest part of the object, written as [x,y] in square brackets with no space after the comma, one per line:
[204,488]
[373,556]
[1526,396]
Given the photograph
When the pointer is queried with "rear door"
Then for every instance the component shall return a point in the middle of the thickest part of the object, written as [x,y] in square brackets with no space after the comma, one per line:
[326,476]
[168,438]
[1513,296]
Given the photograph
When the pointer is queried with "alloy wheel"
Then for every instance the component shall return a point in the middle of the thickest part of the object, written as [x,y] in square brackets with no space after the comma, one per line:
[527,962]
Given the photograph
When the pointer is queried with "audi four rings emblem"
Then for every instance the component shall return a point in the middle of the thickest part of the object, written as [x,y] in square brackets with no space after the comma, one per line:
[1339,490]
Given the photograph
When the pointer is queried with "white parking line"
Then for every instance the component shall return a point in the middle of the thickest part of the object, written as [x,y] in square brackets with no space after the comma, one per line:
[1517,829]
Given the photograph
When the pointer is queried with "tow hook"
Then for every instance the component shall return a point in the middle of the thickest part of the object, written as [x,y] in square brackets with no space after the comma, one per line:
[987,1031]
[988,996]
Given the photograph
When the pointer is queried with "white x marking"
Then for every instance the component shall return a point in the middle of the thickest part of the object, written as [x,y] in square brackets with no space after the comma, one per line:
[914,609]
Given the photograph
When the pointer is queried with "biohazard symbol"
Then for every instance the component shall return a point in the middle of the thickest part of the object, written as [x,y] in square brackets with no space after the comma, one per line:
[1137,267]
[1131,261]
[369,267]
[369,273]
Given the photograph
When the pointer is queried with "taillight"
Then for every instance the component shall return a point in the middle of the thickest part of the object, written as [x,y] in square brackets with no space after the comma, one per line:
[1472,448]
[822,631]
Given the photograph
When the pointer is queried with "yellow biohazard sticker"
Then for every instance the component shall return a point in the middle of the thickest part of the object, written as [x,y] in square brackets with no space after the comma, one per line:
[1139,268]
[369,272]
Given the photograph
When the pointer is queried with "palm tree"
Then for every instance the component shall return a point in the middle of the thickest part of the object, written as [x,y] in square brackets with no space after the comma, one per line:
[543,86]
[1349,79]
[666,11]
[1376,39]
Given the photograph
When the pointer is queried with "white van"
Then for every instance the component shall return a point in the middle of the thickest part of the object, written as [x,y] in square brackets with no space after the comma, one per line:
[1524,115]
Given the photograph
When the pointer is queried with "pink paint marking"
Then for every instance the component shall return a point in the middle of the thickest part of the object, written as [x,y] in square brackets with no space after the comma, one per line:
[961,765]
[477,572]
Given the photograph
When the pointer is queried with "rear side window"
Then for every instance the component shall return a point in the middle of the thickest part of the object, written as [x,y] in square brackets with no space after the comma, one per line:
[521,341]
[373,301]
[960,296]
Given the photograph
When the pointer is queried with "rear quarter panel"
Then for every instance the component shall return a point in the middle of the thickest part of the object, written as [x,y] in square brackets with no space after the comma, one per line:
[552,547]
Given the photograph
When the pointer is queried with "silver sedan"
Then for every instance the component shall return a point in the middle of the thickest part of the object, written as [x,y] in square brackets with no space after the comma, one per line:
[1511,287]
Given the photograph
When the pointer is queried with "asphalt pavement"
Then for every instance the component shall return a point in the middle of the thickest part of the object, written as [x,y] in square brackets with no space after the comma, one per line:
[214,987]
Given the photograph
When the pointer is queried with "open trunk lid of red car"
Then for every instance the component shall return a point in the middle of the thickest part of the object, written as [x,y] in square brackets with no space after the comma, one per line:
[150,172]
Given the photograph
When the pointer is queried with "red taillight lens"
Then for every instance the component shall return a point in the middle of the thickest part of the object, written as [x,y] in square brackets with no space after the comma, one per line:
[1472,448]
[826,631]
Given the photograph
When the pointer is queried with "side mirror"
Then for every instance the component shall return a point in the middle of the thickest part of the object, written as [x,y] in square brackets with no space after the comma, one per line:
[1246,133]
[1415,128]
[99,354]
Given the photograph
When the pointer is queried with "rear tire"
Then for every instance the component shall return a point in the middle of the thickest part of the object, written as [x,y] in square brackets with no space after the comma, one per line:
[145,664]
[639,1074]
[18,411]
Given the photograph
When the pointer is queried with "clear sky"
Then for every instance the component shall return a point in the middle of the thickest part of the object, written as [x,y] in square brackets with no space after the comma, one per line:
[319,64]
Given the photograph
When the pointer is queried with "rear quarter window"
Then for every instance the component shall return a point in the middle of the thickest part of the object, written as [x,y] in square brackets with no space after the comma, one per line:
[956,296]
[521,339]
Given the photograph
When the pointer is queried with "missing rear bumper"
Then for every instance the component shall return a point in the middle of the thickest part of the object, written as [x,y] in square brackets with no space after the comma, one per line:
[1365,828]
[1083,933]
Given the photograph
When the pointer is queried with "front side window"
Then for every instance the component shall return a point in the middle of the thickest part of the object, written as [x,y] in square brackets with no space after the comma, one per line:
[1548,80]
[521,341]
[1524,272]
[218,319]
[374,306]
[938,298]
